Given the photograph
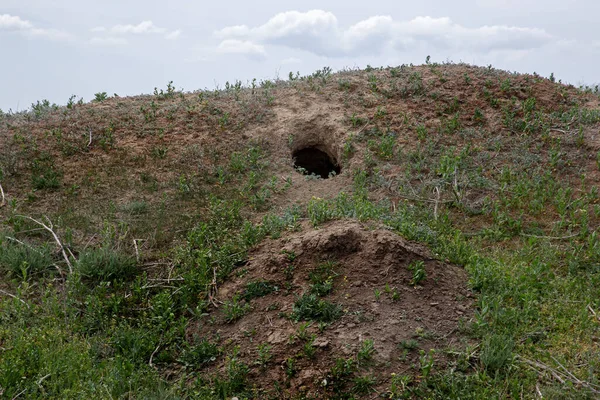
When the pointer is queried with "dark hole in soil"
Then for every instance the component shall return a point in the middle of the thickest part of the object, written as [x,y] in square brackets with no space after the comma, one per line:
[314,161]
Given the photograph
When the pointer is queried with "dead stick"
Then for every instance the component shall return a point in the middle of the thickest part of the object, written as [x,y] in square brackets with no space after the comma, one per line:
[14,297]
[49,228]
[551,237]
[3,202]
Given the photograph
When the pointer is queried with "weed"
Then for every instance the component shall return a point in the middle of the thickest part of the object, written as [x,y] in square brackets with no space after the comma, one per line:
[258,288]
[418,272]
[105,264]
[234,309]
[496,352]
[377,294]
[410,344]
[421,132]
[321,278]
[309,348]
[290,367]
[366,351]
[309,307]
[100,96]
[264,354]
[23,260]
[363,385]
[426,362]
[199,354]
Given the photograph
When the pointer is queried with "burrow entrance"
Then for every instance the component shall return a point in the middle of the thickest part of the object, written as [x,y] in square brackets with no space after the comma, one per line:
[311,160]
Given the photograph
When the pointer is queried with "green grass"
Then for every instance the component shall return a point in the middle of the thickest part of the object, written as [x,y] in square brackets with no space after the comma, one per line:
[309,307]
[105,264]
[516,206]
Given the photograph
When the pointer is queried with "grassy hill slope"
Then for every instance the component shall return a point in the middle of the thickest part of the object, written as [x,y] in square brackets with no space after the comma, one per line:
[167,246]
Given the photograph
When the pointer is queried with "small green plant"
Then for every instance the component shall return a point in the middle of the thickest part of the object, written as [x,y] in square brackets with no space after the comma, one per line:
[264,354]
[410,344]
[309,348]
[309,307]
[23,260]
[100,96]
[258,289]
[363,385]
[105,264]
[418,272]
[399,385]
[357,121]
[377,293]
[366,351]
[44,175]
[426,362]
[290,367]
[166,94]
[496,352]
[302,333]
[478,116]
[321,278]
[199,354]
[234,309]
[421,132]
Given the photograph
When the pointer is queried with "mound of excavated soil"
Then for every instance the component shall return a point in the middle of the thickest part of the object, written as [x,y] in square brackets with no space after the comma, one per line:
[371,283]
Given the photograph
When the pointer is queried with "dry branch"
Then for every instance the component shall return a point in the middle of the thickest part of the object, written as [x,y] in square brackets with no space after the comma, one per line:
[3,201]
[14,297]
[561,376]
[50,228]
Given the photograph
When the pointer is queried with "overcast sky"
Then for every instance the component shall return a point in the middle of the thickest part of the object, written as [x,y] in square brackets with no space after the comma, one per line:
[52,49]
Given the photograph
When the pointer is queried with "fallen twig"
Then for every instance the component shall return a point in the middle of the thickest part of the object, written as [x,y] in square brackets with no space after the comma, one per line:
[14,297]
[561,376]
[3,201]
[90,141]
[50,228]
[152,355]
[551,237]
[137,253]
[593,313]
[437,200]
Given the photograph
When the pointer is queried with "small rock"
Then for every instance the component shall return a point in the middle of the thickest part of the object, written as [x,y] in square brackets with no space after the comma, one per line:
[321,342]
[351,325]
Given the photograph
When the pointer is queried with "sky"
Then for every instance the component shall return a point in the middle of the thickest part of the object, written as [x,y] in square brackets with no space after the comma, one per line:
[52,49]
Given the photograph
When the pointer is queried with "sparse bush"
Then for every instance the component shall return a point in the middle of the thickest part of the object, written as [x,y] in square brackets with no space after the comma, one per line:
[309,307]
[199,354]
[105,264]
[258,289]
[23,261]
[100,96]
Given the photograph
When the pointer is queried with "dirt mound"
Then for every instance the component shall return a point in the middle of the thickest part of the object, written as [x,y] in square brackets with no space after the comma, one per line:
[362,296]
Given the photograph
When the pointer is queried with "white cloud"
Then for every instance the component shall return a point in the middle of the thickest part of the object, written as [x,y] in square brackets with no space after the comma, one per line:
[318,32]
[13,23]
[173,35]
[143,28]
[108,41]
[242,47]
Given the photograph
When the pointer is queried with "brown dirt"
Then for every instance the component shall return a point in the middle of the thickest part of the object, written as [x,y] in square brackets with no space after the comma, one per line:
[367,258]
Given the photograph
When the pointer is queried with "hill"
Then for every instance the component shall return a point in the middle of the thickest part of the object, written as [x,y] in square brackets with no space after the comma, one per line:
[410,232]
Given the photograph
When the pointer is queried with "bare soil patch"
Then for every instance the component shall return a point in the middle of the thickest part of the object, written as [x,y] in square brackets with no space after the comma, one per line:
[371,283]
